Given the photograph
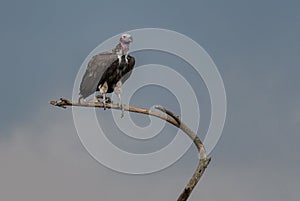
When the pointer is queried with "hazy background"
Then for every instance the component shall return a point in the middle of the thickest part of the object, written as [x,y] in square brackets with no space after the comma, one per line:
[255,45]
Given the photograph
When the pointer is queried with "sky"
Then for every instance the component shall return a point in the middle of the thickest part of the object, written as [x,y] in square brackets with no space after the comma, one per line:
[255,46]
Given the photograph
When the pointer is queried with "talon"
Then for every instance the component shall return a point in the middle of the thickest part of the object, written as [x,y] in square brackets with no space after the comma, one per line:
[108,100]
[99,96]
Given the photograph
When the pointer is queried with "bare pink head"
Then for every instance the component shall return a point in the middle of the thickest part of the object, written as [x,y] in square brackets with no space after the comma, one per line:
[125,40]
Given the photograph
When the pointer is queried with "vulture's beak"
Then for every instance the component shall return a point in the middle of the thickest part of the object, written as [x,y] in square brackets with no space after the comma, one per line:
[130,39]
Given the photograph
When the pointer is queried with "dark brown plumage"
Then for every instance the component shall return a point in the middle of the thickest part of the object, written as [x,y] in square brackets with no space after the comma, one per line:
[117,72]
[107,71]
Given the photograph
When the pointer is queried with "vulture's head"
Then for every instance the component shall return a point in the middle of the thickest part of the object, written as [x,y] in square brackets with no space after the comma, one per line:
[126,38]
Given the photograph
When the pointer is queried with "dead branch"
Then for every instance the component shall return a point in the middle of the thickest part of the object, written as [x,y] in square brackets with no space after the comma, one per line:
[169,117]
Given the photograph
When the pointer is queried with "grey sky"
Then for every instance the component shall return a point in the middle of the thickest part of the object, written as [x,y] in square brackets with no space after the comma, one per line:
[255,46]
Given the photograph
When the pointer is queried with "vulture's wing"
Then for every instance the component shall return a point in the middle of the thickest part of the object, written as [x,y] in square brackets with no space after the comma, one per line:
[95,69]
[128,70]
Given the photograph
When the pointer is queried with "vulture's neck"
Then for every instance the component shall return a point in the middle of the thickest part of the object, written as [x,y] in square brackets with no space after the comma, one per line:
[125,48]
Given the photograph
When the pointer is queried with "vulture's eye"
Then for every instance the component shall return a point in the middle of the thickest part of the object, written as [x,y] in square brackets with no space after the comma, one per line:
[123,36]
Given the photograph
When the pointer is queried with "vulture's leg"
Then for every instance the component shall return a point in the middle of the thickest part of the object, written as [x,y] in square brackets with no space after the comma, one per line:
[99,96]
[118,91]
[108,99]
[103,89]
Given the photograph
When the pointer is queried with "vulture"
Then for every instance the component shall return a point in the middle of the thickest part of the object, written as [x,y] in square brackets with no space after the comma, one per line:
[107,71]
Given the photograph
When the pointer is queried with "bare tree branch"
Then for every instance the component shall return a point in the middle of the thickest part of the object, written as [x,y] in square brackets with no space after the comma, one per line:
[164,115]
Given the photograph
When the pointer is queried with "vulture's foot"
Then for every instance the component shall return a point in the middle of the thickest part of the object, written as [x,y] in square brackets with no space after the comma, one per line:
[104,105]
[104,101]
[107,99]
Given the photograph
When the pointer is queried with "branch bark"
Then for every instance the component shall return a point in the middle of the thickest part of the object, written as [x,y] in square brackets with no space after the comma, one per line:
[166,115]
